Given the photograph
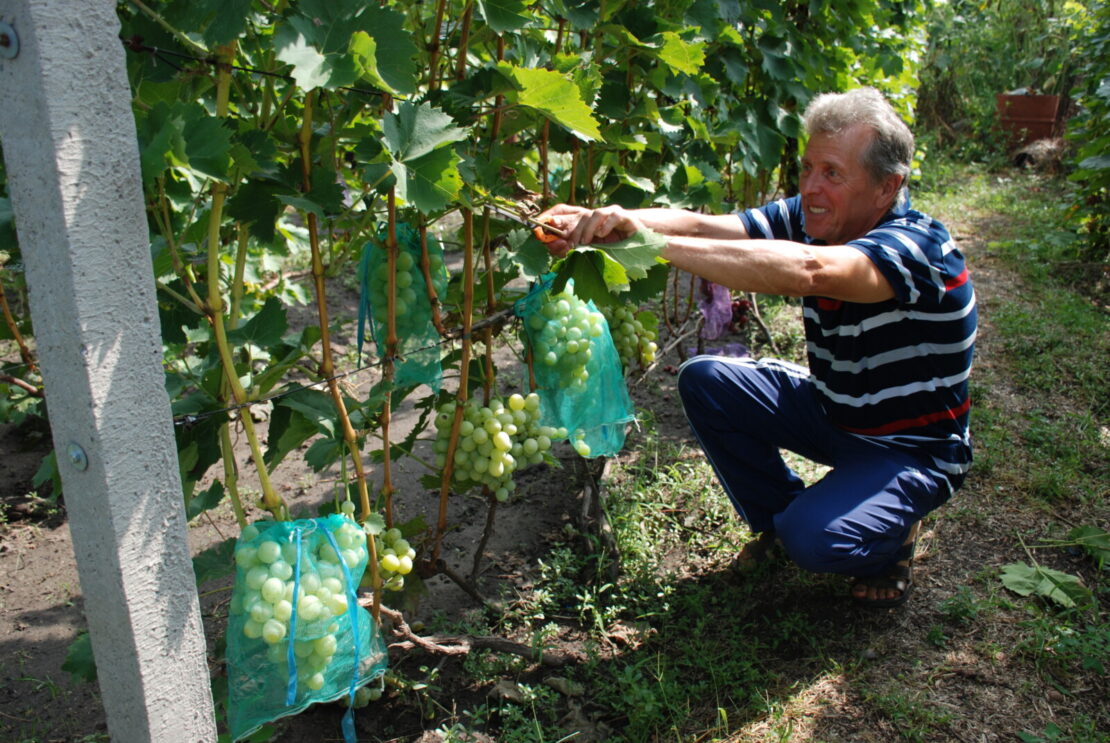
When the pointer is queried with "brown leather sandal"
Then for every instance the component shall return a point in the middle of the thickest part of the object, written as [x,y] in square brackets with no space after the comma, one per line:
[899,578]
[764,549]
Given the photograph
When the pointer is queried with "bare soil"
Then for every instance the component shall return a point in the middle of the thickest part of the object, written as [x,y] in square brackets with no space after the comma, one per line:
[975,677]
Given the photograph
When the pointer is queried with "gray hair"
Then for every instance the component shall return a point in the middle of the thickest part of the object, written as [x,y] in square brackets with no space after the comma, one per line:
[891,149]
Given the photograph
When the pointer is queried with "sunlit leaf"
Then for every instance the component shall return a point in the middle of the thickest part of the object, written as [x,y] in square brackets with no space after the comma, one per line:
[680,55]
[364,50]
[1061,588]
[429,182]
[310,68]
[415,130]
[554,96]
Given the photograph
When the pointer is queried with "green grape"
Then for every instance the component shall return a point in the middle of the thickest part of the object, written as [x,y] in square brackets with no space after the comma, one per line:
[634,340]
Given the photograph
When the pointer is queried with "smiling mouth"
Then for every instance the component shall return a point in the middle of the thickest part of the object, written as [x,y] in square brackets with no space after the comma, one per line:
[817,210]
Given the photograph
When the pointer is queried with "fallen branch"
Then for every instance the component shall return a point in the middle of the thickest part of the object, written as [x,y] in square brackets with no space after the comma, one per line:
[459,645]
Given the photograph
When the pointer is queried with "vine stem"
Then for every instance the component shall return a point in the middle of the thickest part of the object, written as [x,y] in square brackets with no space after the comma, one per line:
[388,369]
[464,382]
[227,451]
[464,41]
[271,501]
[434,46]
[181,38]
[9,320]
[426,268]
[327,364]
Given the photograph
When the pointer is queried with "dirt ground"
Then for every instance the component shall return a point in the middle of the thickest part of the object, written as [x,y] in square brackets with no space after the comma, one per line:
[41,607]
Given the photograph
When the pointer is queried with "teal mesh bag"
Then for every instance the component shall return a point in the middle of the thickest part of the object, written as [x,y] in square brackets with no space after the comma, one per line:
[284,654]
[578,372]
[418,341]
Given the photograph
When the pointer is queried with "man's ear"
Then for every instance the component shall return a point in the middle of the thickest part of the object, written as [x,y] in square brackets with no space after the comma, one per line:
[889,188]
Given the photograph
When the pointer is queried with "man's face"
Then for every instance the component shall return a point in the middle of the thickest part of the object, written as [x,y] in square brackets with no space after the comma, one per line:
[840,200]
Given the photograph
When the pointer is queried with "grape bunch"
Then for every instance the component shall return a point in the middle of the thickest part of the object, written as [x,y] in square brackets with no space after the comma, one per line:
[266,598]
[410,290]
[740,310]
[494,440]
[364,695]
[562,332]
[634,335]
[395,556]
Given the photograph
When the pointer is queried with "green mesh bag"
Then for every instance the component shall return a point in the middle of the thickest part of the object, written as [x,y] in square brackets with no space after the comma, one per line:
[418,341]
[578,371]
[284,655]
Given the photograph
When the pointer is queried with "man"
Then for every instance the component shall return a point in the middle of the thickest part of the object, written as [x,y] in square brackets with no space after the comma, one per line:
[890,323]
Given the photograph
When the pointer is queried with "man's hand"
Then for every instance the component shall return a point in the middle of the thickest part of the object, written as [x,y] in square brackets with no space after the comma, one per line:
[583,226]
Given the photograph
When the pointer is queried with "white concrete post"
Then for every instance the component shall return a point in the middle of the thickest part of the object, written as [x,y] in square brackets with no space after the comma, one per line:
[68,138]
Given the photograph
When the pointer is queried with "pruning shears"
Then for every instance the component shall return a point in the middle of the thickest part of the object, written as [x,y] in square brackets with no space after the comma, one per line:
[537,226]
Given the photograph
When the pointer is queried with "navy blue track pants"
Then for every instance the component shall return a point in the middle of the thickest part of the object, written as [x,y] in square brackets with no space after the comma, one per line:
[853,520]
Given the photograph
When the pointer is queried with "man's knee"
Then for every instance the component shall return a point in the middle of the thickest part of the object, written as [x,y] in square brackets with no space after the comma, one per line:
[816,547]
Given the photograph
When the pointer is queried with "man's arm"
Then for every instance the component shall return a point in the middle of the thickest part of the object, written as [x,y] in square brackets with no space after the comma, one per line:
[717,248]
[781,267]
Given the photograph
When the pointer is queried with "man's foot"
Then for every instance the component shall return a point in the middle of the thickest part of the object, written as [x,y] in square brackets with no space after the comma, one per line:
[894,588]
[762,550]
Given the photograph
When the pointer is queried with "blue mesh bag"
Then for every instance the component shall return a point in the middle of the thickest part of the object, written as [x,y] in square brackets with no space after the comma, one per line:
[578,372]
[418,349]
[296,634]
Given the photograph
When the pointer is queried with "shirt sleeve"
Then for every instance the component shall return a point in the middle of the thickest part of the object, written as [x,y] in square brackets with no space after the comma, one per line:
[917,256]
[779,220]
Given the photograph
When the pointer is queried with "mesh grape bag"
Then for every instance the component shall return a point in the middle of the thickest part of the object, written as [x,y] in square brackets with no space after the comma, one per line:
[284,654]
[418,349]
[579,376]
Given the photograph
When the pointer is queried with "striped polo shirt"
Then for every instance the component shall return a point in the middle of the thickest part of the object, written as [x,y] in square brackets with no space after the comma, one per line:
[895,372]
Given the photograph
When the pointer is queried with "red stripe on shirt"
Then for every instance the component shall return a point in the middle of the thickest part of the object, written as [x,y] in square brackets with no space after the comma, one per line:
[825,303]
[955,281]
[906,423]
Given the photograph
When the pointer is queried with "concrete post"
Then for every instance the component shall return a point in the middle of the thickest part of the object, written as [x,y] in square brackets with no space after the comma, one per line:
[68,138]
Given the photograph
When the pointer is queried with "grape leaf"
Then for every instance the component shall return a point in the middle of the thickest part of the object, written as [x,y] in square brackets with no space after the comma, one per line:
[554,96]
[504,15]
[316,406]
[255,204]
[1096,541]
[364,50]
[1061,588]
[530,254]
[79,660]
[310,68]
[681,56]
[650,287]
[637,253]
[288,429]
[228,19]
[429,182]
[416,130]
[396,51]
[586,269]
[323,453]
[204,501]
[264,329]
[215,562]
